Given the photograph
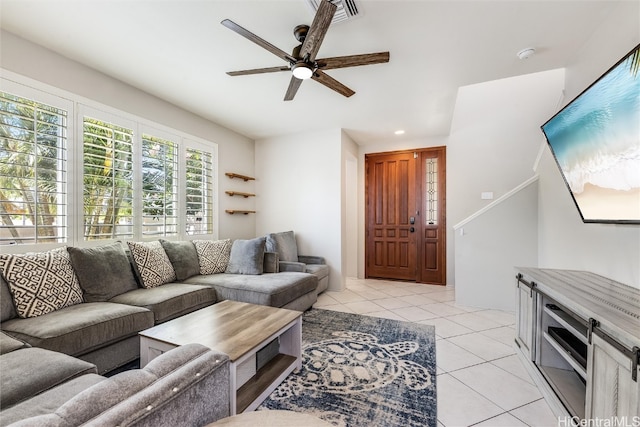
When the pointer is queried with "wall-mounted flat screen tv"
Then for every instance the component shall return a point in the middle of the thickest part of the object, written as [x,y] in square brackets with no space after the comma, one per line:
[595,140]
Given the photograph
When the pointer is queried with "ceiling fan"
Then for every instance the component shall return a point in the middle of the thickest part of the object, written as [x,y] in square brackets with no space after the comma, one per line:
[302,62]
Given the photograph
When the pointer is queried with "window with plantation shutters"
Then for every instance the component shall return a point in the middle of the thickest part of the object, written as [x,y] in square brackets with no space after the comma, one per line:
[107,180]
[33,171]
[73,172]
[199,191]
[159,186]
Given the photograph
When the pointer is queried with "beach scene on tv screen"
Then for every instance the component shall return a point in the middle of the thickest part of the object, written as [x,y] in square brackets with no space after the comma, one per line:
[596,142]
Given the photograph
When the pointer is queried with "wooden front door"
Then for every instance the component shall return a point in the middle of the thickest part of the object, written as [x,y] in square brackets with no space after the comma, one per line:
[405,216]
[391,200]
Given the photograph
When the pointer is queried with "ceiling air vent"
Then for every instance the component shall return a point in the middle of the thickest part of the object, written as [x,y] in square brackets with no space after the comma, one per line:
[347,9]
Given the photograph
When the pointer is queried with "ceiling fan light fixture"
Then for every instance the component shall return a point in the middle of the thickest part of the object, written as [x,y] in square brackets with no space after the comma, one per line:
[302,70]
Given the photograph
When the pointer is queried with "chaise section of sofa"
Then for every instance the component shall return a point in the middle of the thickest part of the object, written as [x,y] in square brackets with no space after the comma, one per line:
[188,385]
[294,291]
[34,381]
[246,273]
[26,372]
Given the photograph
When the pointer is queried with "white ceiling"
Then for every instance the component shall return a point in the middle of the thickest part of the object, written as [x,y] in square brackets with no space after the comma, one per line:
[178,51]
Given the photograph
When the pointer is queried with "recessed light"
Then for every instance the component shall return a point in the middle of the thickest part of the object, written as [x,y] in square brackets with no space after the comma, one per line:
[399,132]
[526,53]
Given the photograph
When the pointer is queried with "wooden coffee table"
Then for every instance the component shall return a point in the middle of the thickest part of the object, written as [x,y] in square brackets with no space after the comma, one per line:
[250,334]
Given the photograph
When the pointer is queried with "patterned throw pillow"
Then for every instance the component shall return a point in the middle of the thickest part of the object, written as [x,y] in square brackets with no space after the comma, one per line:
[152,262]
[213,255]
[41,282]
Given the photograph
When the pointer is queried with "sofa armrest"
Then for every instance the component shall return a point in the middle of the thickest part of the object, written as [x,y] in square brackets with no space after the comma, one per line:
[292,266]
[309,259]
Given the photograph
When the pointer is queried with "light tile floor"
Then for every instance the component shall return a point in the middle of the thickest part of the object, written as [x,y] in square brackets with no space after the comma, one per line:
[480,380]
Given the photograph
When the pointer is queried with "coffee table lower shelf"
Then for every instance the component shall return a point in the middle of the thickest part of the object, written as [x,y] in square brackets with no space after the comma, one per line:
[262,384]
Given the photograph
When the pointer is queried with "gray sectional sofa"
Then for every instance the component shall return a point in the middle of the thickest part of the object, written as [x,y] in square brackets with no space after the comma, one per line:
[103,296]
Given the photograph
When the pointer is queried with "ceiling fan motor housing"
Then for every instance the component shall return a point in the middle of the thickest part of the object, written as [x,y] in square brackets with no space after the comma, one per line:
[301,32]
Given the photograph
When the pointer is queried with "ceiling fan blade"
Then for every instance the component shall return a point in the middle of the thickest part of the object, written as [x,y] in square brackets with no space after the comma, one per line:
[259,71]
[353,60]
[294,85]
[332,83]
[257,40]
[318,30]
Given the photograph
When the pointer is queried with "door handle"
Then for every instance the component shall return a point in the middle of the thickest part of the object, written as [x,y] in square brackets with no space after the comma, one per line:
[412,229]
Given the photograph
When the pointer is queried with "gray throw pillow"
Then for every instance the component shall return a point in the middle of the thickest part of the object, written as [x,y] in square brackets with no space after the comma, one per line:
[7,309]
[271,263]
[284,244]
[247,256]
[103,271]
[183,257]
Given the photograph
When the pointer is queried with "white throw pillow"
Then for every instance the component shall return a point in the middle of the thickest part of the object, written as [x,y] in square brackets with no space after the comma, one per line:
[213,255]
[152,262]
[41,282]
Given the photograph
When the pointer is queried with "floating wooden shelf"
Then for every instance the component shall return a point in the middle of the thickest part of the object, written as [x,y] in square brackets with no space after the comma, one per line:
[235,211]
[238,193]
[243,177]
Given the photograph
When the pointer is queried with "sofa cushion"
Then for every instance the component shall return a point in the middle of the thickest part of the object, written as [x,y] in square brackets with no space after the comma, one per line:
[247,256]
[213,255]
[103,271]
[285,244]
[183,257]
[275,290]
[41,282]
[171,300]
[46,403]
[81,328]
[151,264]
[30,371]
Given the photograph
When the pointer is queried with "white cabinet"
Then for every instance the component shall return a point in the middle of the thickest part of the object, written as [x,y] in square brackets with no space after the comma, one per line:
[579,336]
[611,391]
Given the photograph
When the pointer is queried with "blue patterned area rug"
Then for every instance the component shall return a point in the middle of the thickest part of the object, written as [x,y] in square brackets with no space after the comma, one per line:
[362,371]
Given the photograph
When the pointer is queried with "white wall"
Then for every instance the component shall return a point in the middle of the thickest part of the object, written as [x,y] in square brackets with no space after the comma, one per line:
[564,241]
[494,142]
[349,207]
[490,245]
[299,187]
[235,151]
